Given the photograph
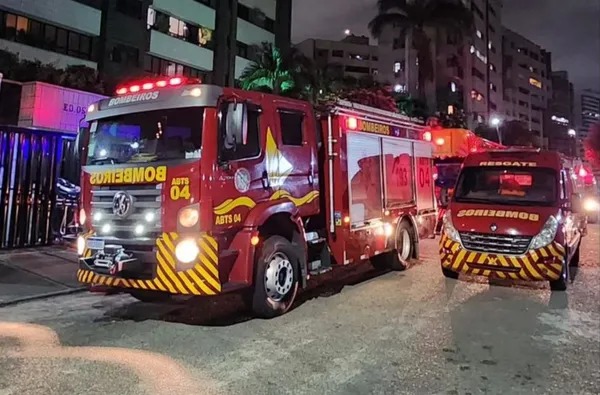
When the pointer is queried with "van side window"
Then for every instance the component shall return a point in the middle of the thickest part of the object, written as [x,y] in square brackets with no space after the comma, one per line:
[291,127]
[242,149]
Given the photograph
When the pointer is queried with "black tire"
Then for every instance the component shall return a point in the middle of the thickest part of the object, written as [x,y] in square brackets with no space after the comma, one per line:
[562,283]
[151,296]
[449,273]
[402,254]
[574,262]
[264,305]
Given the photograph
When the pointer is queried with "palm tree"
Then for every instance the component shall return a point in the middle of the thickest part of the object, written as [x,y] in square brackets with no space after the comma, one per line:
[413,18]
[268,72]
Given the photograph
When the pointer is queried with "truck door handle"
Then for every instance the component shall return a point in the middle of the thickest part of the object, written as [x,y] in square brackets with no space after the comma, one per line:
[265,180]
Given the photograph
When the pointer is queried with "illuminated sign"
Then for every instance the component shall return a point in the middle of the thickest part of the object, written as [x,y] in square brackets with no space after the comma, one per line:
[133,98]
[372,127]
[507,163]
[535,83]
[522,215]
[131,175]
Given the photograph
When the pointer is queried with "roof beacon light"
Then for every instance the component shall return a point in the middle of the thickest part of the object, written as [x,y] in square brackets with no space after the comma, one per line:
[161,83]
[352,123]
[134,88]
[427,136]
[147,86]
[440,141]
[121,91]
[175,81]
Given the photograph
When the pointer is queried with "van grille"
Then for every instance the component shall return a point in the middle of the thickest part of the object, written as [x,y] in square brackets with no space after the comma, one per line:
[499,244]
[146,199]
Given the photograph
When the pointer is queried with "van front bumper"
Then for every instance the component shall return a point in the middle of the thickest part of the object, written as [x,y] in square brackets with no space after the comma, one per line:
[543,264]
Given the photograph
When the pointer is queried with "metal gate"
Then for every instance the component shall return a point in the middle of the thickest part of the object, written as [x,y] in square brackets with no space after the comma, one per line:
[31,163]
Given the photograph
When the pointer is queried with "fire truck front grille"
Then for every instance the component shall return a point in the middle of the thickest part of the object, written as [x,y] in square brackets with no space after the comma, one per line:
[498,244]
[144,213]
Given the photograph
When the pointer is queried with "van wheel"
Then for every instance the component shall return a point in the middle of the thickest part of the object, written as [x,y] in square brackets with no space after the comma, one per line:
[575,260]
[562,282]
[449,273]
[276,278]
[151,296]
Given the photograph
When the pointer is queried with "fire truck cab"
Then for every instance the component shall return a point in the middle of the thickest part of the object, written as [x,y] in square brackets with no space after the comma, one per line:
[514,214]
[192,189]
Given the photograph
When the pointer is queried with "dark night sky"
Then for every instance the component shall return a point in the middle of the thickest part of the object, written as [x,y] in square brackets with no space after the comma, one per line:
[570,29]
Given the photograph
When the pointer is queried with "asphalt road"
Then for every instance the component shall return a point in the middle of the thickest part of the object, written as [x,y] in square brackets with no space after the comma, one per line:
[393,333]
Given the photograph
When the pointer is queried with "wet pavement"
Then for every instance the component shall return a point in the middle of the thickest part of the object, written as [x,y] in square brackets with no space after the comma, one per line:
[413,332]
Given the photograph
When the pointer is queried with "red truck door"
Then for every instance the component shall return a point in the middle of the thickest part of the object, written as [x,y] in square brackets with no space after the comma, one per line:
[293,147]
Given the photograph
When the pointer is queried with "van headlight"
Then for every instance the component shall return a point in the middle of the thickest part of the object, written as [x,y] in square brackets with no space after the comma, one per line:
[449,229]
[591,204]
[547,234]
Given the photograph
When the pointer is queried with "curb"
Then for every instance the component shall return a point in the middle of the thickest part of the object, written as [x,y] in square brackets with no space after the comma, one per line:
[43,296]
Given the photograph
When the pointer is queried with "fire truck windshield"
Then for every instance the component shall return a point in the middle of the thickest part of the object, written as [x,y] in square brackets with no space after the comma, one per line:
[146,137]
[495,185]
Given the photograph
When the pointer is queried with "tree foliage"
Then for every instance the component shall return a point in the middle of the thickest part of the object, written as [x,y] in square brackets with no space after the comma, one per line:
[416,17]
[592,146]
[75,77]
[269,72]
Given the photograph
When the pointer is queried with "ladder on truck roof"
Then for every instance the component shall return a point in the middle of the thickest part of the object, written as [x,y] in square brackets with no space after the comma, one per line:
[349,109]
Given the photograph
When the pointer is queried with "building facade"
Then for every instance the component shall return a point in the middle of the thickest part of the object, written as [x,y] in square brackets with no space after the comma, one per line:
[60,32]
[560,120]
[353,55]
[590,112]
[467,71]
[130,38]
[527,82]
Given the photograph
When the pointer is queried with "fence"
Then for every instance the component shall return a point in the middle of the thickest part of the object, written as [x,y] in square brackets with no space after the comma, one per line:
[32,163]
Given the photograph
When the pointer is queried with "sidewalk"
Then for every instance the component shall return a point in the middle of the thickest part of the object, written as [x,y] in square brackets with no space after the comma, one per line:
[34,273]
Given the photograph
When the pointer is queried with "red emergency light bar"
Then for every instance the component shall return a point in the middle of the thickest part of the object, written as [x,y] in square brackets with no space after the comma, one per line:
[149,85]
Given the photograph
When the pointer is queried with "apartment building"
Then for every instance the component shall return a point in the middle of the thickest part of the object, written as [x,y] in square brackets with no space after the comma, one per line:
[60,32]
[353,55]
[560,116]
[527,81]
[467,71]
[590,112]
[128,38]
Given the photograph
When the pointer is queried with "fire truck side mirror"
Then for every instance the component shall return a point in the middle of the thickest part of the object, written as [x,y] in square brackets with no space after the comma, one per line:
[236,126]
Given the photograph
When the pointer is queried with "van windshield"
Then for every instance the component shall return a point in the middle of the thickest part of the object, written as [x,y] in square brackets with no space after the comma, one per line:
[146,137]
[507,186]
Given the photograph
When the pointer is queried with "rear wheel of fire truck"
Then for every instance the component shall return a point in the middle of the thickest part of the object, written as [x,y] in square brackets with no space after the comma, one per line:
[403,250]
[563,280]
[276,279]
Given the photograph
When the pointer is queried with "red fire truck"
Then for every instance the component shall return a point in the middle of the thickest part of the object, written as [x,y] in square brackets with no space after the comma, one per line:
[451,147]
[192,189]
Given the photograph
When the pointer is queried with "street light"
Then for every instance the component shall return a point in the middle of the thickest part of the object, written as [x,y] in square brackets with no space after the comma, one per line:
[495,122]
[347,32]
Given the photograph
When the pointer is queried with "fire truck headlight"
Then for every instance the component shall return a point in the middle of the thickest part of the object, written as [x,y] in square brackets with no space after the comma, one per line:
[80,245]
[591,205]
[449,229]
[189,216]
[106,228]
[388,229]
[150,216]
[546,235]
[187,250]
[139,230]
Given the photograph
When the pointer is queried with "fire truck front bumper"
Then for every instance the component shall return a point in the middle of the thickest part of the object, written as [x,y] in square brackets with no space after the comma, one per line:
[543,264]
[176,264]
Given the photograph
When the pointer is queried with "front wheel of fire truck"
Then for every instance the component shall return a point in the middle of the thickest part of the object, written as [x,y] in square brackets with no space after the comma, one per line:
[276,279]
[403,244]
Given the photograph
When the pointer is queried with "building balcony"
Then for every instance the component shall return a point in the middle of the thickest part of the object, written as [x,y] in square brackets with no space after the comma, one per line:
[177,50]
[56,59]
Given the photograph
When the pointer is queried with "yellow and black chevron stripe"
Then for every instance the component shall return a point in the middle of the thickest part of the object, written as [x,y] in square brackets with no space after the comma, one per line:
[538,265]
[200,278]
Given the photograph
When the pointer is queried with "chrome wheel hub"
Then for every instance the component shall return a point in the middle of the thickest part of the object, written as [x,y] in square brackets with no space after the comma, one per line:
[403,245]
[279,277]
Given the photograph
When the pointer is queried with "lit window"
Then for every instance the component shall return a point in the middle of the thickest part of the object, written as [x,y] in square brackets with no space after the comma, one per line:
[453,86]
[472,49]
[479,34]
[536,83]
[397,67]
[450,109]
[151,17]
